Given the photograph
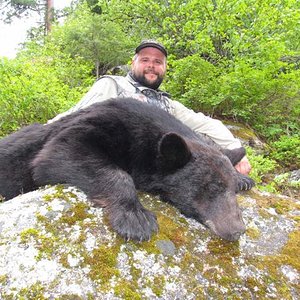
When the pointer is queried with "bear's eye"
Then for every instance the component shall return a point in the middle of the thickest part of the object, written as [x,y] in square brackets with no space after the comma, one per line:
[216,188]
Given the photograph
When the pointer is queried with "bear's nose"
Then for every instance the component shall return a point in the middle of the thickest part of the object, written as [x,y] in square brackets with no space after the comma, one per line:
[236,235]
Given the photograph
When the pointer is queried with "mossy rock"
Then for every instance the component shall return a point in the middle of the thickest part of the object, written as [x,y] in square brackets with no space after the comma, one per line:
[245,134]
[55,245]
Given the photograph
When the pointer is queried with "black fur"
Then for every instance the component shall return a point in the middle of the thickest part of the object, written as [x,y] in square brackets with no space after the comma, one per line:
[111,149]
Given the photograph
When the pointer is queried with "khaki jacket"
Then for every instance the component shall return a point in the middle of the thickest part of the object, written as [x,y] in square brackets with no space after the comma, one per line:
[118,86]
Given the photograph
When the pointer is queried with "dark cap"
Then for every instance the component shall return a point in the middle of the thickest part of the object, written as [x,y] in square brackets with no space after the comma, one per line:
[151,43]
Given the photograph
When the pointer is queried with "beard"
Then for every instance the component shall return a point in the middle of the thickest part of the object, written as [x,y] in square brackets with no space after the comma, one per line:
[145,82]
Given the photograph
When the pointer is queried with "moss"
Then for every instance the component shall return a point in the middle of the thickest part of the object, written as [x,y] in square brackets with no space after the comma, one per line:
[78,212]
[219,267]
[35,291]
[281,205]
[27,234]
[188,260]
[284,206]
[103,262]
[3,279]
[214,265]
[284,289]
[63,259]
[168,229]
[290,253]
[217,264]
[240,131]
[127,290]
[296,218]
[135,273]
[51,237]
[264,213]
[256,287]
[48,198]
[221,248]
[69,297]
[270,265]
[5,296]
[45,244]
[60,192]
[57,236]
[148,246]
[158,285]
[253,233]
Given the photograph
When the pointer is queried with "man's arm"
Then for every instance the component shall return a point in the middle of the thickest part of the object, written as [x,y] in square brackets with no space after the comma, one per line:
[213,128]
[103,89]
[200,123]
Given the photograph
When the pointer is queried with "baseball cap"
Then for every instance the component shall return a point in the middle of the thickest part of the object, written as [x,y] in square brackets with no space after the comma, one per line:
[151,43]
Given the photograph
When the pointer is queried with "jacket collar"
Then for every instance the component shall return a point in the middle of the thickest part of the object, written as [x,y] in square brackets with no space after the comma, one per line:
[141,87]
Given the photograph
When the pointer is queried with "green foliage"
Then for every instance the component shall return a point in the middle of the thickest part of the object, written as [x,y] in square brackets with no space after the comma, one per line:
[247,94]
[94,38]
[35,89]
[10,9]
[261,167]
[285,185]
[94,6]
[265,166]
[28,3]
[198,82]
[287,151]
[234,58]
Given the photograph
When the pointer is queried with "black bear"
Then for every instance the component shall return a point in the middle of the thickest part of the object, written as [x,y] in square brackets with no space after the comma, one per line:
[112,149]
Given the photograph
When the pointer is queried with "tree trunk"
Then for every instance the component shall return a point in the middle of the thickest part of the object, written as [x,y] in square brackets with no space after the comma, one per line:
[49,15]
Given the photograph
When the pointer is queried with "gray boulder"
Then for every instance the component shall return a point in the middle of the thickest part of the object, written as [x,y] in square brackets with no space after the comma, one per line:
[55,245]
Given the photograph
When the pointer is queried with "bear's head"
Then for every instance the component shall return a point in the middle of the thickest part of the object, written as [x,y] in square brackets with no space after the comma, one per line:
[201,181]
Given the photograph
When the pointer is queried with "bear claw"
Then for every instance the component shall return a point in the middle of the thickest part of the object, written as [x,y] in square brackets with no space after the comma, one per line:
[138,225]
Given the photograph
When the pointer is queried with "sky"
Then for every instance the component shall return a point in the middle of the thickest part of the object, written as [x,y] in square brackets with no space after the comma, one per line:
[11,35]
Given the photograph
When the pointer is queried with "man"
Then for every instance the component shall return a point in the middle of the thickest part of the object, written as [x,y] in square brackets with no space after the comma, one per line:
[148,69]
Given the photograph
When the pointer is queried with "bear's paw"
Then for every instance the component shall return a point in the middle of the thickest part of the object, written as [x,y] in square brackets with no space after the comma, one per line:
[136,224]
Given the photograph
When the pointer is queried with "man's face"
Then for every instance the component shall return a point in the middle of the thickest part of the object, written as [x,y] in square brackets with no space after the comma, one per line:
[149,67]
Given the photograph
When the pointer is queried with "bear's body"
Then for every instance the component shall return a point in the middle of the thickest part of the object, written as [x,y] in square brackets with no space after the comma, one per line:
[113,148]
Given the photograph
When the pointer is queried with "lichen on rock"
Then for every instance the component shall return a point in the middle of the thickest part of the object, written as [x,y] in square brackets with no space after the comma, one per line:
[55,245]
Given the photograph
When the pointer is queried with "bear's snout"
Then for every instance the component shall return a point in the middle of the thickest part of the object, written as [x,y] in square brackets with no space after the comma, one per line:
[230,230]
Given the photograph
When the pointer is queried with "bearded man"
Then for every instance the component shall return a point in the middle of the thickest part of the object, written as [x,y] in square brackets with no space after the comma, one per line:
[148,69]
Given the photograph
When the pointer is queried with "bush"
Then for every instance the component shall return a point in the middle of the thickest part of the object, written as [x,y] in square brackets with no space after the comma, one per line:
[262,166]
[36,89]
[287,151]
[193,81]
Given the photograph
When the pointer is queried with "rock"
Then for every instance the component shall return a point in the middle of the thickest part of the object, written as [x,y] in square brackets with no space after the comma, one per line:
[245,135]
[166,247]
[288,183]
[55,245]
[295,176]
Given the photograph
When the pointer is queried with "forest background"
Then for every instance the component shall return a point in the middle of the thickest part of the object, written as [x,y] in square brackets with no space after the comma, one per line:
[235,60]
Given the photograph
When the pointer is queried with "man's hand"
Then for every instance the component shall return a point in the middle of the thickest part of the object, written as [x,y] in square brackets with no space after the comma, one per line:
[243,166]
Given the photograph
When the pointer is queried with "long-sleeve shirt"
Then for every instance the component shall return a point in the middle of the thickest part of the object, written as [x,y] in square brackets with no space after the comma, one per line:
[109,87]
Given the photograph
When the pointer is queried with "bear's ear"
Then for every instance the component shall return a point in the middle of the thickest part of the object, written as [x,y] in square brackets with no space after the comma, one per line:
[235,155]
[173,151]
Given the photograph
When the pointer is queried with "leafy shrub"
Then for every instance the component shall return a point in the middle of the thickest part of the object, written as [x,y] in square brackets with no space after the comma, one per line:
[193,81]
[36,89]
[262,166]
[261,96]
[287,151]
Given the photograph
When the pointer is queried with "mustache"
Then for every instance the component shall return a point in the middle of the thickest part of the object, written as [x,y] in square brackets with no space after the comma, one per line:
[150,71]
